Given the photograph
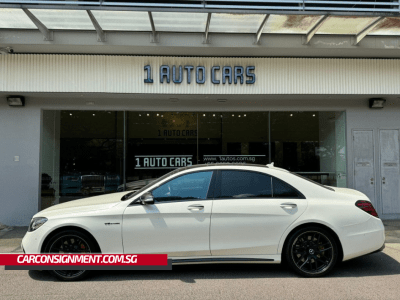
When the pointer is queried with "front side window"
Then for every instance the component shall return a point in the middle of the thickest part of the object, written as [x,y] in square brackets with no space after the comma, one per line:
[185,187]
[244,184]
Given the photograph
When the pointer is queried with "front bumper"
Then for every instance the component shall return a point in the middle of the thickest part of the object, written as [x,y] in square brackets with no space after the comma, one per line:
[32,241]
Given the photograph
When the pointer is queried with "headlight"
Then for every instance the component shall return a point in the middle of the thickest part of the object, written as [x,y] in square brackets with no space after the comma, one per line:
[36,223]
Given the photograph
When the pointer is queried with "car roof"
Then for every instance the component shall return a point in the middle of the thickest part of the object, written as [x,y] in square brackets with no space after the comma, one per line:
[219,165]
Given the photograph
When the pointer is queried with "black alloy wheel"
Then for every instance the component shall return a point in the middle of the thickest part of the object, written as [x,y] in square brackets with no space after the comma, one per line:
[311,252]
[70,242]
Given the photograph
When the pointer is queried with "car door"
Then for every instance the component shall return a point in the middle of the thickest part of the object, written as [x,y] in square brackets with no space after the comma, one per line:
[251,210]
[178,223]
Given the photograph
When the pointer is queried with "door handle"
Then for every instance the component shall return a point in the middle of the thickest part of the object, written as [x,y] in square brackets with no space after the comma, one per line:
[288,205]
[195,207]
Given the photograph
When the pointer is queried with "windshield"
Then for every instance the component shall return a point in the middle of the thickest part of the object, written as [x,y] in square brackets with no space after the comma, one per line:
[309,180]
[153,183]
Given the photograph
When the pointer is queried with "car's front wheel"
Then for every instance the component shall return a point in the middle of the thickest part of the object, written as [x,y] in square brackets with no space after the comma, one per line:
[70,242]
[311,251]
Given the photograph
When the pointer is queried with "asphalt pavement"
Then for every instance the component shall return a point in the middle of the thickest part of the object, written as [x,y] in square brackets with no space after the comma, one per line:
[376,276]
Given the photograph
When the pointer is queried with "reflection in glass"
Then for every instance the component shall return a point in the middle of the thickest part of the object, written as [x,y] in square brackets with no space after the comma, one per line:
[159,142]
[233,137]
[311,144]
[244,184]
[81,154]
[190,186]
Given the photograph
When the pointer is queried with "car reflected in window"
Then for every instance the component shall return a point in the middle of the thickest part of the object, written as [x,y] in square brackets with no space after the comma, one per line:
[185,187]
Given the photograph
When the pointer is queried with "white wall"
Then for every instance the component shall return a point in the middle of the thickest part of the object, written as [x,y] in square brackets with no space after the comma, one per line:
[19,181]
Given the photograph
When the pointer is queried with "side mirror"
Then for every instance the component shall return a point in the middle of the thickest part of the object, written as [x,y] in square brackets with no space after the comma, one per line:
[147,199]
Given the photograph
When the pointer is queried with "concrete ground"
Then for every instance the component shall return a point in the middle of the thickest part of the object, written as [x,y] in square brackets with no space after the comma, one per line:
[375,276]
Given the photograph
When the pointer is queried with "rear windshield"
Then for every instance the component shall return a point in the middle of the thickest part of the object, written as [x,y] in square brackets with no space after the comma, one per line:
[309,180]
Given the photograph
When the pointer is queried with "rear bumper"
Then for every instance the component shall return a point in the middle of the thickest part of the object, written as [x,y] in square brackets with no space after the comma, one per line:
[379,250]
[365,238]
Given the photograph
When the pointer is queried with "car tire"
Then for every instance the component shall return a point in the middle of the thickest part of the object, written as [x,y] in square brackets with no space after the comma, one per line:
[311,251]
[71,241]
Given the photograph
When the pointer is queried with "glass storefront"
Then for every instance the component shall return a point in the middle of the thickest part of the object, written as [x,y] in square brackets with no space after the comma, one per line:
[87,153]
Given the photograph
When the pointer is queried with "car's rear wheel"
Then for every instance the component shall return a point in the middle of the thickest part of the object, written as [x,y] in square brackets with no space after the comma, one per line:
[311,251]
[70,242]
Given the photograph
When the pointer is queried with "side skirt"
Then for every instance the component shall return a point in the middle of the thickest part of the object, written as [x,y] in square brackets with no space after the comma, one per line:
[222,260]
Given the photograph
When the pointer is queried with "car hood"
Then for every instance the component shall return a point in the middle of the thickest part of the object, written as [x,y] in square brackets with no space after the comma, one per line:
[83,205]
[351,192]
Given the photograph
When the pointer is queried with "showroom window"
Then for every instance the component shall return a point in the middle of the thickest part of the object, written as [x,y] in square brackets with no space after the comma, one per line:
[88,153]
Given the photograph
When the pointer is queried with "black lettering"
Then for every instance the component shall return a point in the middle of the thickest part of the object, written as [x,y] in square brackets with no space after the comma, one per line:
[227,72]
[164,72]
[239,73]
[179,80]
[250,75]
[213,77]
[203,77]
[148,79]
[189,70]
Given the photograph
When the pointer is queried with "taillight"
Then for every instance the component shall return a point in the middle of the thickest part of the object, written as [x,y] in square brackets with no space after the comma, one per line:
[367,207]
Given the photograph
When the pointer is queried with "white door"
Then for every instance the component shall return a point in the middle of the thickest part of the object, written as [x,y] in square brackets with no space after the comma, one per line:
[249,216]
[364,175]
[178,223]
[389,166]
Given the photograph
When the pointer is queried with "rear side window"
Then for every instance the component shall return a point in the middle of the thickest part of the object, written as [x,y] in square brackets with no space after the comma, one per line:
[244,184]
[283,190]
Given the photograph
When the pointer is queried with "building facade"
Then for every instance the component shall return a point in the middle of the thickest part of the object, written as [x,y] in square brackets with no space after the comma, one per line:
[125,101]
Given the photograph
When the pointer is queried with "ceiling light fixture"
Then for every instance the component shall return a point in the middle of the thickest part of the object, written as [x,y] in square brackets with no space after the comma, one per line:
[376,102]
[16,101]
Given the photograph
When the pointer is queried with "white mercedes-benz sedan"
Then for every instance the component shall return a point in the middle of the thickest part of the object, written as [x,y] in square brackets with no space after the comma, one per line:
[217,213]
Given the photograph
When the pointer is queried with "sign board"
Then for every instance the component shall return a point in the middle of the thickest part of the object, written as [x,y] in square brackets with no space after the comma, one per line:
[163,161]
